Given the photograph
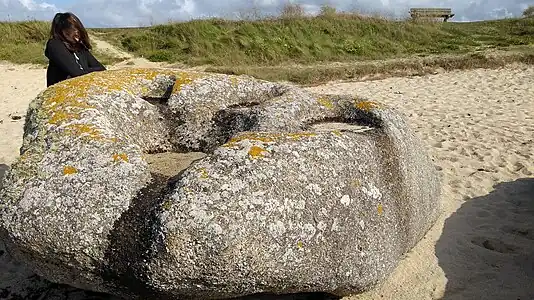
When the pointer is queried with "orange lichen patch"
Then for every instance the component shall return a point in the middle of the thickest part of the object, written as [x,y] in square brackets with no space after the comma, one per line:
[366,105]
[380,209]
[65,101]
[203,173]
[85,130]
[184,78]
[326,103]
[62,116]
[117,157]
[256,152]
[69,170]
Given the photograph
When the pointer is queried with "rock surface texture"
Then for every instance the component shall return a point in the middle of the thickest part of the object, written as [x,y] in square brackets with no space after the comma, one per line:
[297,192]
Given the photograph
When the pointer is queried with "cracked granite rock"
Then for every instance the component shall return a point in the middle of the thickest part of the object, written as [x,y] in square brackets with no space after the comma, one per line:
[297,192]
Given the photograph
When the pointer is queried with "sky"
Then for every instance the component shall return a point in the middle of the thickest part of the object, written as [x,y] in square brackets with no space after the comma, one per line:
[133,13]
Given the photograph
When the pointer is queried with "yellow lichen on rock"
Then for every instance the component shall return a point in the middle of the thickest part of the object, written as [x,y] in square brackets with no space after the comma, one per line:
[267,137]
[253,136]
[117,157]
[183,78]
[366,105]
[66,101]
[203,173]
[85,130]
[234,80]
[256,152]
[62,116]
[380,209]
[166,205]
[69,170]
[355,183]
[325,102]
[299,135]
[337,132]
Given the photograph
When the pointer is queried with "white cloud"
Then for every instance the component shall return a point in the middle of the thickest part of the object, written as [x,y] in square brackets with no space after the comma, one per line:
[104,13]
[15,10]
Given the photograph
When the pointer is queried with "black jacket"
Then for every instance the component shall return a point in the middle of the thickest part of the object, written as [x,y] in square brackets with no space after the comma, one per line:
[64,64]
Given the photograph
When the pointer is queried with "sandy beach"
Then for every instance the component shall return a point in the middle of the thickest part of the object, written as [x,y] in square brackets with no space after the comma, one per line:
[478,126]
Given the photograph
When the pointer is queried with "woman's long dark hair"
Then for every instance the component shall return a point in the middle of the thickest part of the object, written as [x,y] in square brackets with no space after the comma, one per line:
[65,27]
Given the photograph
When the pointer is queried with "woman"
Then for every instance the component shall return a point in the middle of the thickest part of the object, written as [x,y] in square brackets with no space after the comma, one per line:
[68,50]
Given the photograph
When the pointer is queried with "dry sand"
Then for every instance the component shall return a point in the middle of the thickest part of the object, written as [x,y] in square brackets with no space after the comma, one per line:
[477,125]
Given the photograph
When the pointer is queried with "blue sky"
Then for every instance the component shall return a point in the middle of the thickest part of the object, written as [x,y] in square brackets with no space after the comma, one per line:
[122,13]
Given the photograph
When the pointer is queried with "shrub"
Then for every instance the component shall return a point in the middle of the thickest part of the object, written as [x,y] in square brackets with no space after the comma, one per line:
[529,12]
[327,11]
[291,11]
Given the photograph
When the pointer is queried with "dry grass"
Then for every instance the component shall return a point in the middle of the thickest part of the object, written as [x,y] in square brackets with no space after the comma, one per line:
[368,70]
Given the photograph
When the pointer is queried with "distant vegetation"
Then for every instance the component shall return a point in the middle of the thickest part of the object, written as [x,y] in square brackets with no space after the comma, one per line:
[24,42]
[304,40]
[266,47]
[529,12]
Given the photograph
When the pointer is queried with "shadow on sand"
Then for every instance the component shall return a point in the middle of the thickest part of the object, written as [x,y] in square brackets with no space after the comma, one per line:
[487,246]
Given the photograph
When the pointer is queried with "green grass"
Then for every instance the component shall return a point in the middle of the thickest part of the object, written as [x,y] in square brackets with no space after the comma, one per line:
[305,40]
[24,42]
[302,49]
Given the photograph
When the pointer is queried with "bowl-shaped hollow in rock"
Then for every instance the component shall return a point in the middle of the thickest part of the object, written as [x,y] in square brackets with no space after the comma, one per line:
[296,192]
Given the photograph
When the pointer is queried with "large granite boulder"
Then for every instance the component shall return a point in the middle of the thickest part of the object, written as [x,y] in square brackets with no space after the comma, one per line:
[294,192]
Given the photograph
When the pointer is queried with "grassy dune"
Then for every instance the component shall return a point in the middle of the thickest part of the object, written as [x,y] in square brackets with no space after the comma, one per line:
[303,49]
[24,42]
[305,40]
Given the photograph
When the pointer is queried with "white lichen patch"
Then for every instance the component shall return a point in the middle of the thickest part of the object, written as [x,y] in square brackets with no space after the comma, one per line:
[335,225]
[372,191]
[277,229]
[345,200]
[308,231]
[216,228]
[315,188]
